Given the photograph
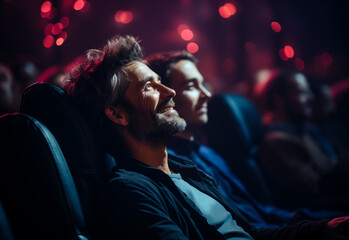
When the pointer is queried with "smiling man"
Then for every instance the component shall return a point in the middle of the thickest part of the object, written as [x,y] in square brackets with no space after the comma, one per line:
[150,195]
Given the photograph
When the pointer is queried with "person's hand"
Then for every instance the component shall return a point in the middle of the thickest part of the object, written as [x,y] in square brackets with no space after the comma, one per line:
[339,228]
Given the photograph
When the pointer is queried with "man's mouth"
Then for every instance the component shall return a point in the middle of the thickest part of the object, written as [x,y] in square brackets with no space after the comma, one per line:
[202,107]
[166,108]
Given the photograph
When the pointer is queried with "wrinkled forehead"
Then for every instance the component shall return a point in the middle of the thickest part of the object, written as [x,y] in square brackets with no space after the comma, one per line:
[138,72]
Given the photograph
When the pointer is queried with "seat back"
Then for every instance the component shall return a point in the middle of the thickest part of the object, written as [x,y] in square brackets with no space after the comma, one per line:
[49,104]
[36,187]
[5,230]
[234,130]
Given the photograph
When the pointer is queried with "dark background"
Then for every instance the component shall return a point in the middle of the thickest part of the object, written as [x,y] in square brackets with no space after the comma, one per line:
[310,27]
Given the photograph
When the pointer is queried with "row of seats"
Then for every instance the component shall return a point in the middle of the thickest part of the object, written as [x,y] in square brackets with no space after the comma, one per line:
[235,131]
[50,169]
[52,165]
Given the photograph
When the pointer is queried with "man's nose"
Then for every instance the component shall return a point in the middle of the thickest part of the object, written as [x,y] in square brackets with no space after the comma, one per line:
[205,92]
[166,92]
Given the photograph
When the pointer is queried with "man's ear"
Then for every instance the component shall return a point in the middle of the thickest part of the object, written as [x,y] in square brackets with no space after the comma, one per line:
[117,115]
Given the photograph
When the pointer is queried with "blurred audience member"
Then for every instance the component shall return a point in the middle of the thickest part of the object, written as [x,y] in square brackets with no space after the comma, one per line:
[178,70]
[323,104]
[25,73]
[296,167]
[6,90]
[322,117]
[340,93]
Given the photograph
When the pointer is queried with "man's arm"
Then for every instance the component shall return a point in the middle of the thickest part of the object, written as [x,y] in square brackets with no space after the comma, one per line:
[336,229]
[287,164]
[134,211]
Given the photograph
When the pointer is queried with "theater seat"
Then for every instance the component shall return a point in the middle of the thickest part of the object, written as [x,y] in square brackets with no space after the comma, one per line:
[36,187]
[5,229]
[234,130]
[87,161]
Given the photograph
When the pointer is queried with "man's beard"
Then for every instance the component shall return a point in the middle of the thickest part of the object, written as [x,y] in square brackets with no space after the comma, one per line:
[156,128]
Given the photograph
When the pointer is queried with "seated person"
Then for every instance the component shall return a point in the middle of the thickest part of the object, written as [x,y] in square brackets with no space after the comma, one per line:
[7,104]
[149,195]
[178,70]
[322,117]
[296,167]
[25,72]
[340,129]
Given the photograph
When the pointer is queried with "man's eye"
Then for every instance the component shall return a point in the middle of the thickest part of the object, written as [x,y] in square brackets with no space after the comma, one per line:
[148,87]
[190,85]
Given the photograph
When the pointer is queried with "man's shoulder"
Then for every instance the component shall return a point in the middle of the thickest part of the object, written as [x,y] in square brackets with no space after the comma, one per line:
[282,135]
[122,178]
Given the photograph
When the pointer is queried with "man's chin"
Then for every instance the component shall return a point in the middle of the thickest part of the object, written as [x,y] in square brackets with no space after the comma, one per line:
[171,121]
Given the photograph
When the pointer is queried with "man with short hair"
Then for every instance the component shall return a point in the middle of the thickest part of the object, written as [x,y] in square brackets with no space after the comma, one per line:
[178,70]
[6,90]
[149,195]
[297,167]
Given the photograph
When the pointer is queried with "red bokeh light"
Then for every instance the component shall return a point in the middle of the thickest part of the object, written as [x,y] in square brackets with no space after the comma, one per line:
[181,28]
[231,7]
[299,63]
[48,29]
[275,26]
[59,41]
[289,52]
[57,28]
[250,47]
[64,21]
[48,41]
[63,35]
[192,47]
[123,16]
[187,35]
[326,59]
[319,65]
[283,55]
[86,7]
[79,4]
[45,15]
[53,13]
[227,10]
[46,7]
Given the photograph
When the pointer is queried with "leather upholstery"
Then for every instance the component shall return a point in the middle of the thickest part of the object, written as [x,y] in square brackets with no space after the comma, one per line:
[86,160]
[5,230]
[234,130]
[36,187]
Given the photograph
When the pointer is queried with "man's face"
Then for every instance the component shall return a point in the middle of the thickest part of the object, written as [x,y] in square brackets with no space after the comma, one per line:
[6,90]
[151,113]
[300,98]
[192,96]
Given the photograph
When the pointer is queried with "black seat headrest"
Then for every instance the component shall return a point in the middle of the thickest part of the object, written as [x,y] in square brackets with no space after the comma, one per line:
[234,126]
[36,187]
[49,104]
[234,130]
[87,161]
